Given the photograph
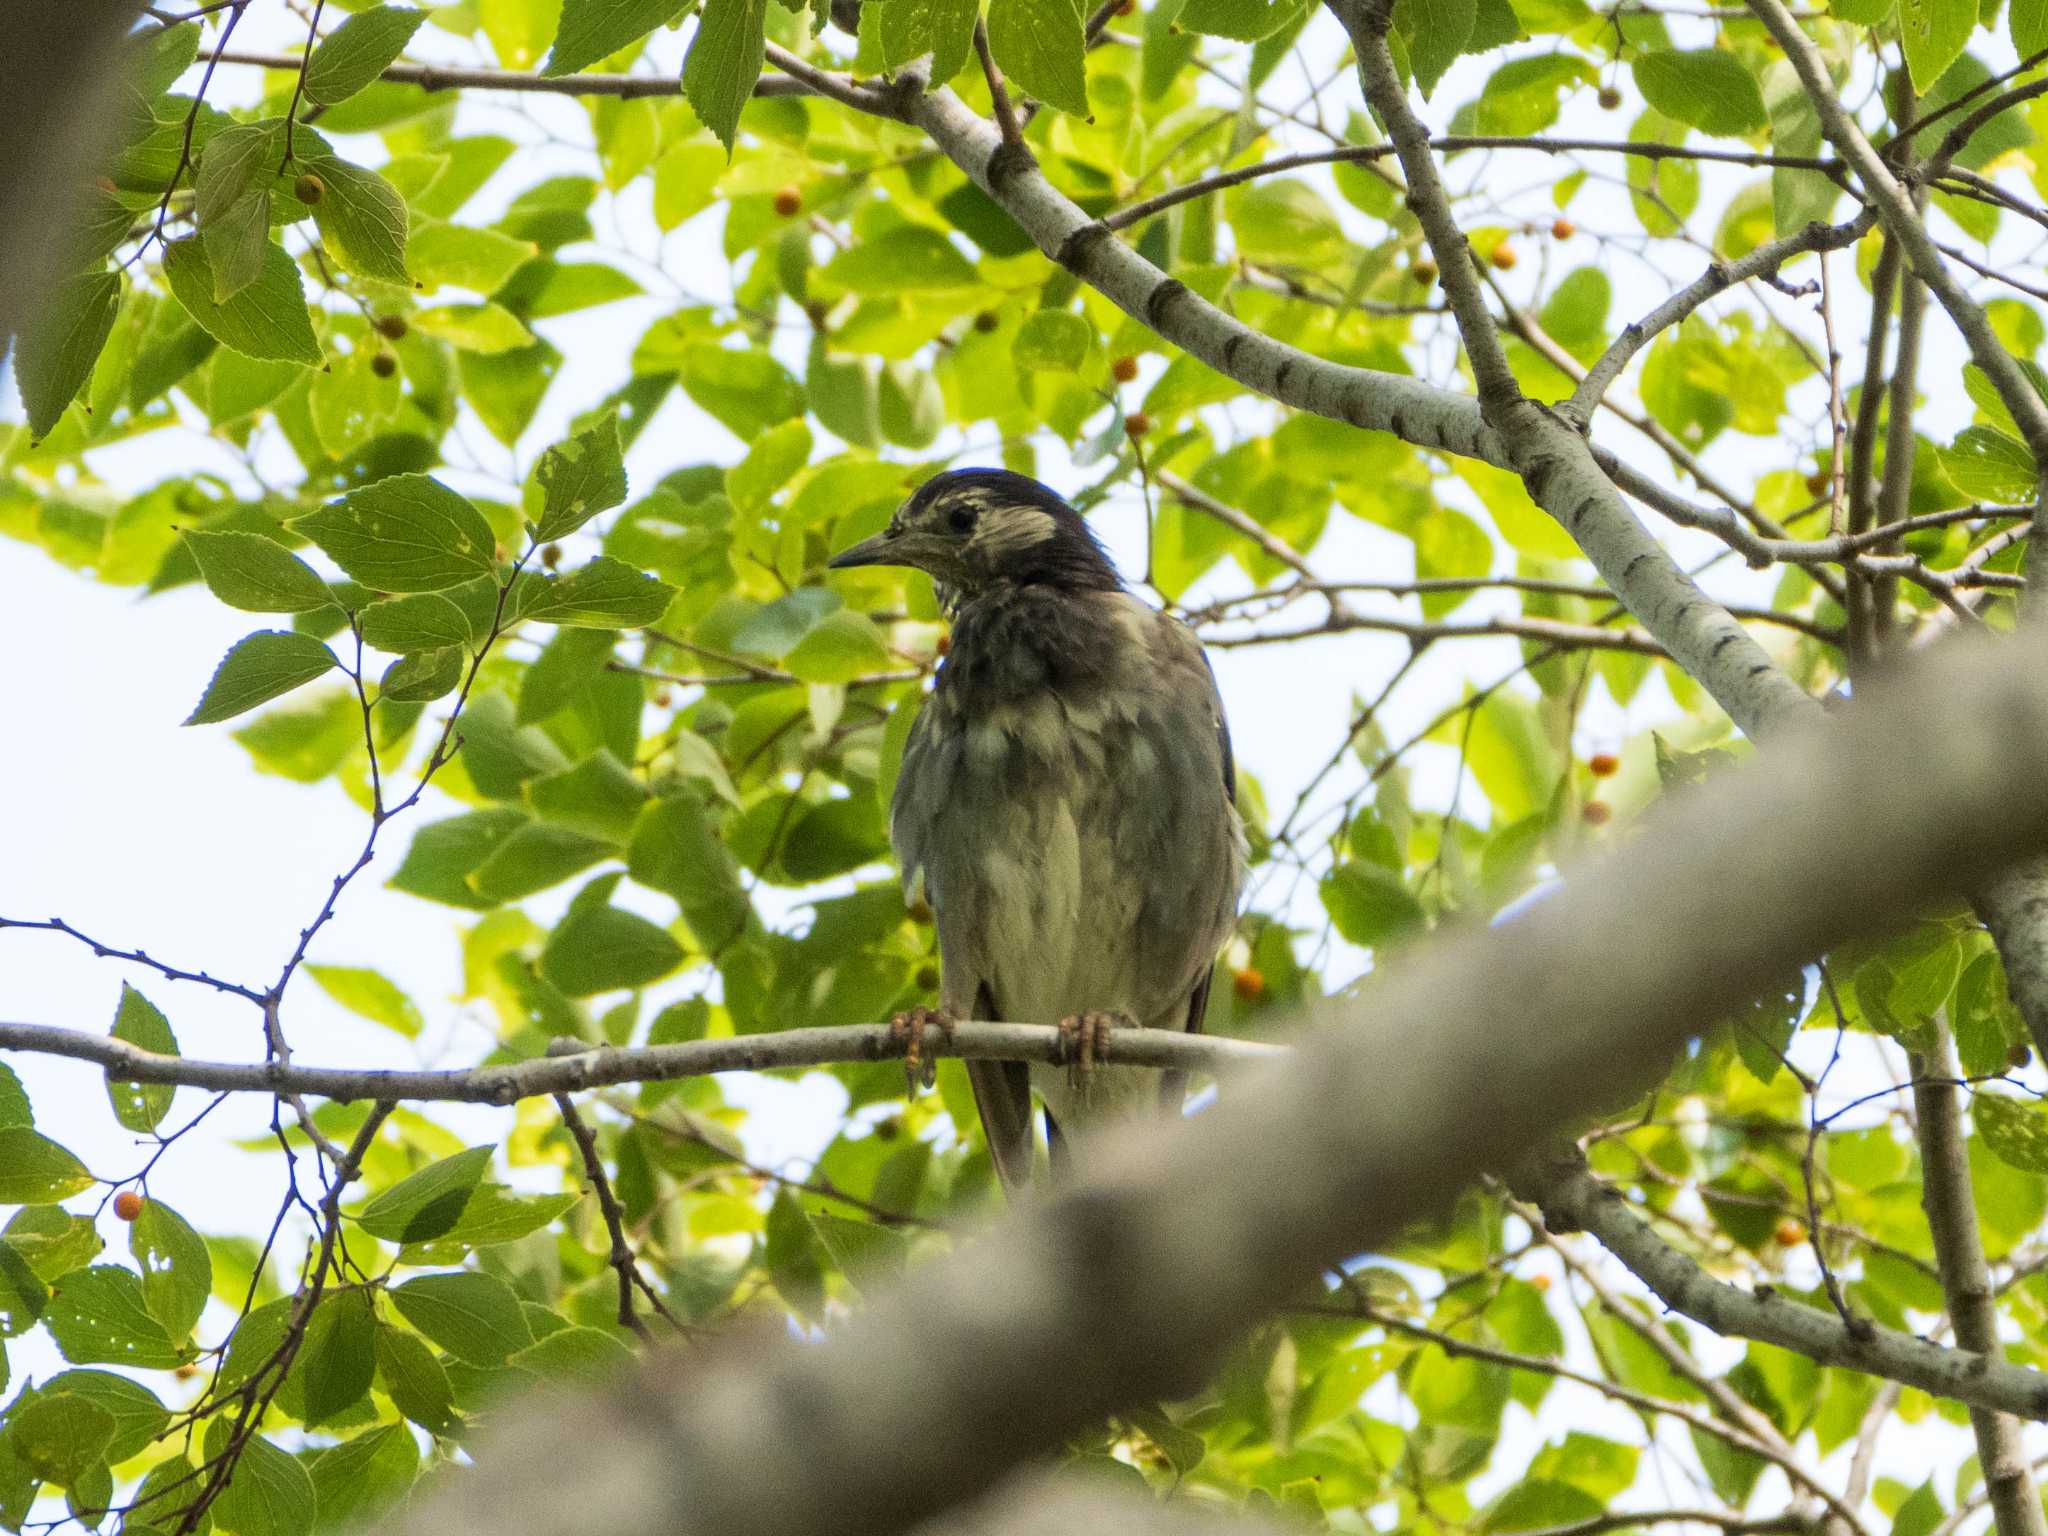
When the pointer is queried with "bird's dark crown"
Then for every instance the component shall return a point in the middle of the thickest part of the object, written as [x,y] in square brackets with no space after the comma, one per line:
[973,529]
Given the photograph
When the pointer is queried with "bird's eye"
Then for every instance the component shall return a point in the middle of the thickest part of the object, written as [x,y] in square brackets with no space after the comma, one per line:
[962,519]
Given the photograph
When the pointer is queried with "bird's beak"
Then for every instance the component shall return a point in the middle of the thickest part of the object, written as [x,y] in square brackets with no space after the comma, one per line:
[883,549]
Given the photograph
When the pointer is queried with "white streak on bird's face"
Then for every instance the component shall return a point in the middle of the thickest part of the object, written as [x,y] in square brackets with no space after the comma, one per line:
[1003,531]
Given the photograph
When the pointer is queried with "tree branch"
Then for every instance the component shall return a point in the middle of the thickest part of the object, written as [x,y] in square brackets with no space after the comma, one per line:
[606,1066]
[1130,1285]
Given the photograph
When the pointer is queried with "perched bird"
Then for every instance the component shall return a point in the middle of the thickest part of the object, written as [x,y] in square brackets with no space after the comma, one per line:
[1066,806]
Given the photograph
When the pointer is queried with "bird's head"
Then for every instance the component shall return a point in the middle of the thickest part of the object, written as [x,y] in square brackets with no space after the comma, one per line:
[973,528]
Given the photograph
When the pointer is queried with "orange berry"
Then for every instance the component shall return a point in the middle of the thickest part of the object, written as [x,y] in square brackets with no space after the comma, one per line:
[1817,484]
[1504,257]
[1124,369]
[1596,813]
[391,327]
[1563,229]
[987,321]
[309,189]
[384,365]
[789,202]
[551,555]
[1610,98]
[1249,984]
[1127,8]
[663,698]
[1137,424]
[943,645]
[186,1371]
[1423,271]
[1789,1234]
[1603,764]
[127,1205]
[1540,1282]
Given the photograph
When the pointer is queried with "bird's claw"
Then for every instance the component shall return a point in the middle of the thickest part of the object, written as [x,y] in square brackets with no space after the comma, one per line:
[906,1033]
[1084,1042]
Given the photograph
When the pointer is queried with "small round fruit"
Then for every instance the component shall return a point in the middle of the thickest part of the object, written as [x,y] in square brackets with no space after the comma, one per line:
[1540,1282]
[789,202]
[551,555]
[186,1371]
[1789,1233]
[392,327]
[1137,424]
[1610,97]
[1424,272]
[927,977]
[1123,369]
[1563,229]
[1596,813]
[1504,257]
[1603,765]
[889,1129]
[309,189]
[1817,484]
[663,698]
[384,365]
[1249,984]
[987,321]
[2019,1058]
[128,1205]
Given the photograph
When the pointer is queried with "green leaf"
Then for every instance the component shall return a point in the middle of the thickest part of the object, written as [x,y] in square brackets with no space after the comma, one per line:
[675,851]
[486,328]
[839,648]
[362,220]
[1763,1031]
[2015,1129]
[1986,464]
[1039,44]
[1521,96]
[480,260]
[748,392]
[138,1416]
[429,1202]
[1987,1025]
[60,1435]
[500,755]
[591,29]
[255,574]
[868,1253]
[1933,34]
[2028,21]
[909,29]
[231,201]
[1437,33]
[575,1354]
[793,1260]
[425,621]
[1704,87]
[599,797]
[422,676]
[579,478]
[99,1315]
[475,1317]
[34,1170]
[177,1269]
[271,1493]
[358,1482]
[605,594]
[23,1297]
[533,858]
[1053,341]
[267,319]
[599,948]
[907,259]
[369,994]
[336,1361]
[358,51]
[1368,903]
[140,1106]
[52,1240]
[494,1215]
[60,343]
[770,463]
[14,1105]
[405,533]
[260,668]
[415,1379]
[724,61]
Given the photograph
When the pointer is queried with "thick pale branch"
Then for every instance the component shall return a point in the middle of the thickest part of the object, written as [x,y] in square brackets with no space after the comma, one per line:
[605,1067]
[1130,1285]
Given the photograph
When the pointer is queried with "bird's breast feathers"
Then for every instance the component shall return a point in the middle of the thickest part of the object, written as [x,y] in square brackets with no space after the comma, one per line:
[1075,836]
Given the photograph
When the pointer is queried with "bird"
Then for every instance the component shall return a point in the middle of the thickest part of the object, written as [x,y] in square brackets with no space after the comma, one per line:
[1066,807]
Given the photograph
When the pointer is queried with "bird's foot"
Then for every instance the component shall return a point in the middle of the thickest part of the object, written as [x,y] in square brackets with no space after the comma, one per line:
[1084,1043]
[906,1033]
